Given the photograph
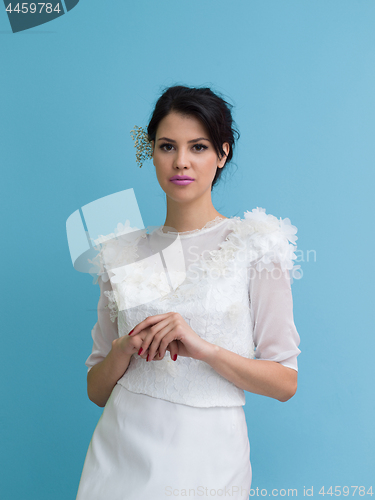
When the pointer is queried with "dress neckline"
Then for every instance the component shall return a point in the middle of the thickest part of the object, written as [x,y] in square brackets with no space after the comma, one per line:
[184,234]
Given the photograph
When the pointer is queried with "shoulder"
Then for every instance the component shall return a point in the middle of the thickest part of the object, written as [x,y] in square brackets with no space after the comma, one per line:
[262,224]
[268,240]
[114,250]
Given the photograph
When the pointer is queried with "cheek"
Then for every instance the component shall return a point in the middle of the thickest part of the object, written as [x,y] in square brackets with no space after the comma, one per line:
[162,161]
[208,166]
[162,175]
[160,164]
[159,176]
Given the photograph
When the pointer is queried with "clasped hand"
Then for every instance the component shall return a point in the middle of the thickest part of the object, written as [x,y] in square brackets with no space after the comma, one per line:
[166,332]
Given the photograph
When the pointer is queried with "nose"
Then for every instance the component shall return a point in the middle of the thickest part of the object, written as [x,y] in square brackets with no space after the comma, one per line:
[182,159]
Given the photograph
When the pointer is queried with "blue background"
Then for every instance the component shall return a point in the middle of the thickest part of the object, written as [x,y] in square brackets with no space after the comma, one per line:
[301,75]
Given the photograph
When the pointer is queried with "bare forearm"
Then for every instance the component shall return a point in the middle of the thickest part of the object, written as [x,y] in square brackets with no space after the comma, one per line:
[267,378]
[102,377]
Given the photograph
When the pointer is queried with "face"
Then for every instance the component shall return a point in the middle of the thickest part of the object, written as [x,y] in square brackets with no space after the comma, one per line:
[182,146]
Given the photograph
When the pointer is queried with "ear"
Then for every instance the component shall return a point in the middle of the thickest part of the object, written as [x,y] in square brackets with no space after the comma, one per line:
[153,146]
[226,149]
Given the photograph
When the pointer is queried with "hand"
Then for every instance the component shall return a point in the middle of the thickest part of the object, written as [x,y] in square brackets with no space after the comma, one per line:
[159,331]
[172,348]
[129,345]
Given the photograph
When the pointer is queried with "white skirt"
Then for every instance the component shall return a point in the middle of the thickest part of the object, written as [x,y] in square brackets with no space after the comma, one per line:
[147,448]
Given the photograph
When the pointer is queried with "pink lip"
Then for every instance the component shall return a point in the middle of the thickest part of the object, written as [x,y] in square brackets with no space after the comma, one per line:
[182,182]
[181,177]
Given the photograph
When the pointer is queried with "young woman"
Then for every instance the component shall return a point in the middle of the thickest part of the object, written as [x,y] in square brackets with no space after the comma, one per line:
[190,316]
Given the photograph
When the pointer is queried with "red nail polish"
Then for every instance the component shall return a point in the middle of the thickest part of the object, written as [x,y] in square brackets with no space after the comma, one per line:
[140,351]
[131,331]
[147,356]
[175,357]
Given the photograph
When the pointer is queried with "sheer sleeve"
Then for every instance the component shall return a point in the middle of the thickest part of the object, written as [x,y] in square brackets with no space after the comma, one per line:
[274,332]
[106,328]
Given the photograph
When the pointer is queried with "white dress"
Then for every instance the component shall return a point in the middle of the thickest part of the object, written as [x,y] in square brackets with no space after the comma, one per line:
[177,428]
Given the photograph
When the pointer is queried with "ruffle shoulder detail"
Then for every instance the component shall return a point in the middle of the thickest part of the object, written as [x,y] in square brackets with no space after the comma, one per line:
[115,249]
[269,241]
[260,240]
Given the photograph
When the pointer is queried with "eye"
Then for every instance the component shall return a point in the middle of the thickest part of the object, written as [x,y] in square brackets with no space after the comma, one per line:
[165,144]
[200,146]
[166,147]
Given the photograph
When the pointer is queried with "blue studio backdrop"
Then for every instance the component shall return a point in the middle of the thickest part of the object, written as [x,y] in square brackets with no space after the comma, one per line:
[301,77]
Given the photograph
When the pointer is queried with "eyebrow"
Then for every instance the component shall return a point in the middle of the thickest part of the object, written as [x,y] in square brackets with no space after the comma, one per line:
[193,140]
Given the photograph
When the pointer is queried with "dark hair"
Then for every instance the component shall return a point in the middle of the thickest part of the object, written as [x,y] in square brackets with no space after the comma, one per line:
[212,111]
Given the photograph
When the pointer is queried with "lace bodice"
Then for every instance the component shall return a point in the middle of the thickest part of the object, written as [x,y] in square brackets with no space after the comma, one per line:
[230,281]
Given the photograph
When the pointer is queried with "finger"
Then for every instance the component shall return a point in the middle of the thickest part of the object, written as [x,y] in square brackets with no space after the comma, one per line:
[173,349]
[154,334]
[149,321]
[160,341]
[158,356]
[137,341]
[144,354]
[148,335]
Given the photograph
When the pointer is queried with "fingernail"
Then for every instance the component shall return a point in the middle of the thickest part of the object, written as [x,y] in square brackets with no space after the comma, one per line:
[131,331]
[175,357]
[147,356]
[140,351]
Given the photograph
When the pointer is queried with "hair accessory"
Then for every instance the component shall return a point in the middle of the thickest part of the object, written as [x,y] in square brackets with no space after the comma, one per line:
[143,145]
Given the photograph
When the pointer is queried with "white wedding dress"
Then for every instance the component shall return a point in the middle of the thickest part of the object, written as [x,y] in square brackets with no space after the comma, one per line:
[177,428]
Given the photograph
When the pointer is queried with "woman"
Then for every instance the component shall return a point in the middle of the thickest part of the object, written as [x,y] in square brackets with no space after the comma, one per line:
[174,343]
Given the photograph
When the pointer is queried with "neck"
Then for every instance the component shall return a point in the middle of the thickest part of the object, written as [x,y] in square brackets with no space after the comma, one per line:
[189,216]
